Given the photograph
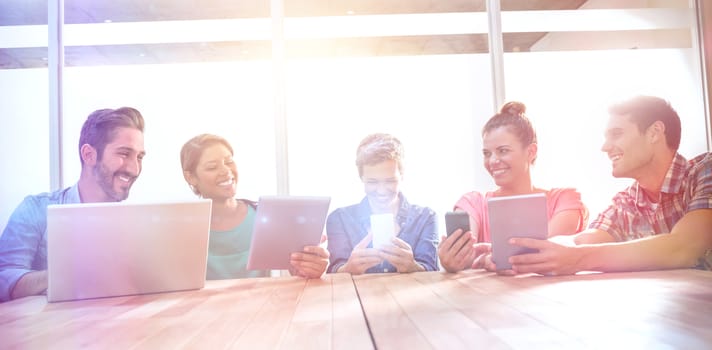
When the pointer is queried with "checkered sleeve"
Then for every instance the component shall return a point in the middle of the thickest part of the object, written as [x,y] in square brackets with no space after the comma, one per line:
[700,189]
[608,221]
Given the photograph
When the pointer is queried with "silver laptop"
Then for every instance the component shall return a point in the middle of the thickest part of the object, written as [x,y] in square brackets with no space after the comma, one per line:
[99,250]
[283,225]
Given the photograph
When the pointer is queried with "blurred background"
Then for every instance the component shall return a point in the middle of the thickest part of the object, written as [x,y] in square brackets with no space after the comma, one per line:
[294,85]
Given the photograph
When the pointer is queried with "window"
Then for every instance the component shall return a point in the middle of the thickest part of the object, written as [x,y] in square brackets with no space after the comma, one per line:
[295,85]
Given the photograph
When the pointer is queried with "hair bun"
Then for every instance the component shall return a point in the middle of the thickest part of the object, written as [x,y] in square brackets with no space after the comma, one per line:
[514,108]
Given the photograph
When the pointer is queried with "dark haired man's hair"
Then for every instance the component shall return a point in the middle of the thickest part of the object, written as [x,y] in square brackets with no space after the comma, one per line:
[646,110]
[100,127]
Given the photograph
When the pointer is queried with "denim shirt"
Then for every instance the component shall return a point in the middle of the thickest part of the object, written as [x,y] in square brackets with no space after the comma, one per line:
[347,226]
[23,244]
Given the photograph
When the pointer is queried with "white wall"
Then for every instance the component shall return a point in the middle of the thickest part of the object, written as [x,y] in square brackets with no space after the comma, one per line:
[24,136]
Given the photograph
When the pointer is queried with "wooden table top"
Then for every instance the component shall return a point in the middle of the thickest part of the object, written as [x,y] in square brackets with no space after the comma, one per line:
[262,313]
[425,310]
[477,309]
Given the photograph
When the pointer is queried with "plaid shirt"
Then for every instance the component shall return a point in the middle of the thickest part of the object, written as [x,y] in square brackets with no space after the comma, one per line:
[687,187]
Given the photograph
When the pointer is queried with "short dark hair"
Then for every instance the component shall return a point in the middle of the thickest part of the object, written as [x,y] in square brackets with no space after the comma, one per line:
[379,147]
[100,127]
[192,150]
[512,116]
[646,110]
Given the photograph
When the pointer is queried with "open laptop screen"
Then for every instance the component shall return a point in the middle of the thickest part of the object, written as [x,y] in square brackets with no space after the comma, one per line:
[110,249]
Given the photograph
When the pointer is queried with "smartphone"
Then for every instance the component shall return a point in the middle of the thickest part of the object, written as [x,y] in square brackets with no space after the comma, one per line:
[455,220]
[382,228]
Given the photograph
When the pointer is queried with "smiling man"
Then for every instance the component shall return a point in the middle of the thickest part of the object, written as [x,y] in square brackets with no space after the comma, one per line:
[662,221]
[413,247]
[111,152]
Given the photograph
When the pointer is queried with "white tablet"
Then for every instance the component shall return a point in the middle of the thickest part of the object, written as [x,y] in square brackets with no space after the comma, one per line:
[283,225]
[515,216]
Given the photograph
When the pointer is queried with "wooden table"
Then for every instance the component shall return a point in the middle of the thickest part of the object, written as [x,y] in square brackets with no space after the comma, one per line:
[480,310]
[425,310]
[263,313]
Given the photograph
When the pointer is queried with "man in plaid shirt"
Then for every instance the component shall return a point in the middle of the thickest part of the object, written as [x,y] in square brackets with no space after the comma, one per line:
[662,221]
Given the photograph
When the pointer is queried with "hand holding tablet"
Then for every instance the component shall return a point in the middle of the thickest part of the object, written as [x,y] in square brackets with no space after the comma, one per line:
[285,225]
[515,216]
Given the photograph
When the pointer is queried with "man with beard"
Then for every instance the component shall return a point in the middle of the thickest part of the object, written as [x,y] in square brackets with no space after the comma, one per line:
[111,151]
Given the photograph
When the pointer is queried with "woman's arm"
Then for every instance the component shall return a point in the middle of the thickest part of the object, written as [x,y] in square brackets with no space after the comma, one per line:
[565,222]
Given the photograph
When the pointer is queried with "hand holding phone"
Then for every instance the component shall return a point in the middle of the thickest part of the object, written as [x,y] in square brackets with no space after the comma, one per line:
[450,249]
[456,220]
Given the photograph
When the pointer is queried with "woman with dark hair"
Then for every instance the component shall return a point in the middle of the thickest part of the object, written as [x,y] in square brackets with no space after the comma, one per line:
[210,171]
[509,150]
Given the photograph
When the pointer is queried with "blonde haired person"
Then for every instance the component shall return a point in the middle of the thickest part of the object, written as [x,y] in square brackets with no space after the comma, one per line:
[379,160]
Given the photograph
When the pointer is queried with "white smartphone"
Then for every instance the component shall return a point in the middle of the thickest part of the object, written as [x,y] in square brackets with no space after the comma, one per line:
[382,228]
